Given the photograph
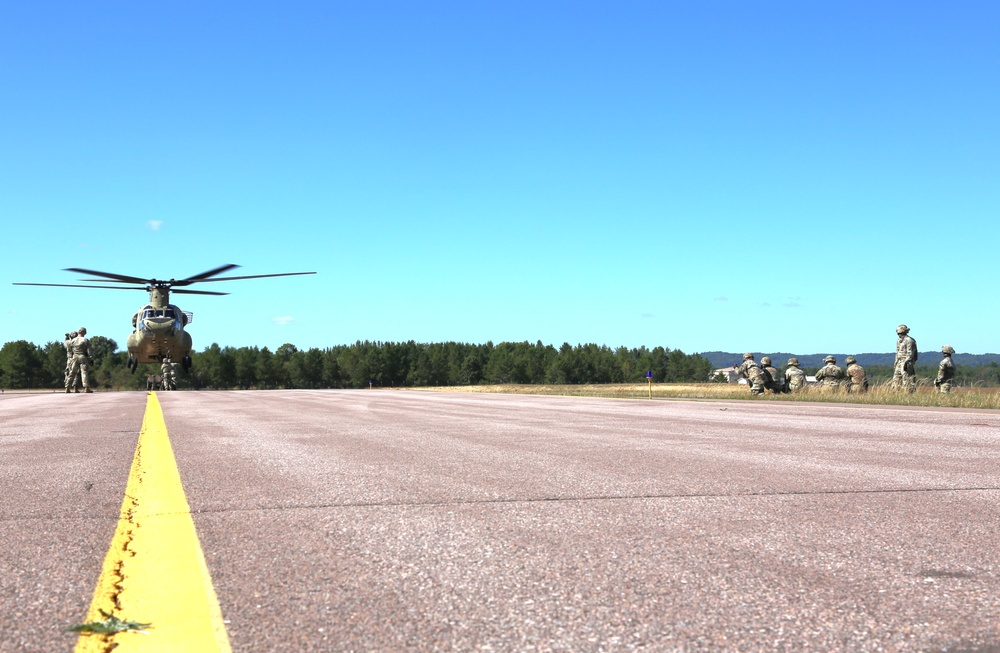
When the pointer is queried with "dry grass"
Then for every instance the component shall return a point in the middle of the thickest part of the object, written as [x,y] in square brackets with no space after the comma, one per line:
[880,395]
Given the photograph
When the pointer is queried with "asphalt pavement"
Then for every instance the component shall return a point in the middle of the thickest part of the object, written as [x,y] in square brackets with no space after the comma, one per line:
[378,520]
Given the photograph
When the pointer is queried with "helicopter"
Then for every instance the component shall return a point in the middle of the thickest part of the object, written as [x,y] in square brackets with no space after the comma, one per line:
[159,326]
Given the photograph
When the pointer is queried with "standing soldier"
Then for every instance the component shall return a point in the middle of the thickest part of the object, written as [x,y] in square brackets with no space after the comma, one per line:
[68,343]
[777,382]
[795,377]
[167,372]
[753,373]
[830,374]
[857,380]
[904,374]
[946,371]
[81,359]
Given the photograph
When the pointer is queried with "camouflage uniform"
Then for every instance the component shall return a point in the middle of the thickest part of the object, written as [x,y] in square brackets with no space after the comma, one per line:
[795,377]
[946,371]
[776,383]
[68,343]
[830,374]
[905,375]
[857,380]
[167,371]
[81,359]
[753,373]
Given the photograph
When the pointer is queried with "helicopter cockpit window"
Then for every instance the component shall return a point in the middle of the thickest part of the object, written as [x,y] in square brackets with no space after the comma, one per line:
[159,312]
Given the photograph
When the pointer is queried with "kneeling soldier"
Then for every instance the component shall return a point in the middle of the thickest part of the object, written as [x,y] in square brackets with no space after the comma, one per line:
[946,371]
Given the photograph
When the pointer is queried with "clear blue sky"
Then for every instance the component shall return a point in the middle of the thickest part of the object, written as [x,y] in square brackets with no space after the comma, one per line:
[767,176]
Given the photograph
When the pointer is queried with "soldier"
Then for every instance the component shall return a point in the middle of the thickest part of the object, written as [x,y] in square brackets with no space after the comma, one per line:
[81,360]
[857,380]
[167,372]
[795,377]
[776,384]
[904,374]
[150,382]
[946,371]
[68,342]
[753,373]
[830,374]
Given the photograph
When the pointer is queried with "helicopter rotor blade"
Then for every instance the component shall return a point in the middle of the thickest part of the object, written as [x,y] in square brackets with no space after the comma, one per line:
[115,277]
[258,276]
[149,284]
[76,285]
[204,276]
[197,292]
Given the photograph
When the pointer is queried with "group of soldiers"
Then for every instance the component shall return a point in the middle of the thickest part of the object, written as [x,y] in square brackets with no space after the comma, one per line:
[167,378]
[78,365]
[77,360]
[763,376]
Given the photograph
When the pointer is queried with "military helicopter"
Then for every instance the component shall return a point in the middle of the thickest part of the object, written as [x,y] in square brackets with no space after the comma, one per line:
[159,325]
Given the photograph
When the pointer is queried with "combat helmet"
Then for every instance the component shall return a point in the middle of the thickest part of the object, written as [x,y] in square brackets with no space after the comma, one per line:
[850,360]
[793,361]
[765,361]
[747,355]
[829,359]
[902,328]
[948,349]
[82,331]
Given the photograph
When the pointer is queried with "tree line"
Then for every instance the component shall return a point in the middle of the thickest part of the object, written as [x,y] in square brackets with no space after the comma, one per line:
[364,363]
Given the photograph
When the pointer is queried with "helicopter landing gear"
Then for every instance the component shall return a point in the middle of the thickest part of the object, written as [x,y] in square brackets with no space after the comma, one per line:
[132,363]
[186,363]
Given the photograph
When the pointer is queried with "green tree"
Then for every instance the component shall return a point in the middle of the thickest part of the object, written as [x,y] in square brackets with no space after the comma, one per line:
[332,374]
[53,373]
[267,369]
[20,365]
[246,367]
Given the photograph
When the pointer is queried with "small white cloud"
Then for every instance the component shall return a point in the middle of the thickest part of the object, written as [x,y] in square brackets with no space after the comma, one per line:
[721,299]
[646,316]
[282,320]
[154,225]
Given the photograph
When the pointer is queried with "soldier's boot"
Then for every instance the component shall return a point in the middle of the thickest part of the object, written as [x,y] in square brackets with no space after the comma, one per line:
[87,390]
[67,390]
[76,390]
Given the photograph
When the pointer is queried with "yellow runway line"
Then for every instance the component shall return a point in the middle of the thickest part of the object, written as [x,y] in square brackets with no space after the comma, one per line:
[154,571]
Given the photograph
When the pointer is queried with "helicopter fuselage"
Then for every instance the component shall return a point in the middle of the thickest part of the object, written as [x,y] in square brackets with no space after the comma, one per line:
[159,332]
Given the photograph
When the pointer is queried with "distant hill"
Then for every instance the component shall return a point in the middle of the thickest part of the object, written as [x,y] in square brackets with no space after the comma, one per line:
[725,359]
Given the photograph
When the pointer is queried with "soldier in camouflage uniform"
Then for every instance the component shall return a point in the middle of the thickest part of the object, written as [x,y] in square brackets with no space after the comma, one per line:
[81,359]
[68,343]
[830,374]
[857,380]
[167,372]
[946,371]
[904,374]
[776,384]
[753,373]
[795,377]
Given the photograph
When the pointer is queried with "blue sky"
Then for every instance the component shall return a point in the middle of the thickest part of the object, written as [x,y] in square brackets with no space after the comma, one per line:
[773,176]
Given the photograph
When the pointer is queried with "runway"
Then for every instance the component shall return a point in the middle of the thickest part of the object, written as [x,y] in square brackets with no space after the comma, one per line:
[377,520]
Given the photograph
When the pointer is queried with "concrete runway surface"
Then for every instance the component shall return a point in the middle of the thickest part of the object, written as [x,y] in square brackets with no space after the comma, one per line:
[421,521]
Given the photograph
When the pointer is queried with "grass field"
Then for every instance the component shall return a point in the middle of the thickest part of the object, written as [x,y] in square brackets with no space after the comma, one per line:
[880,395]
